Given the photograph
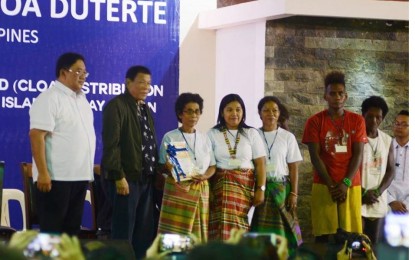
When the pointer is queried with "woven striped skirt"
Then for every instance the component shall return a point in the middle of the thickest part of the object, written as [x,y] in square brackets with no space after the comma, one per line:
[230,200]
[272,216]
[185,208]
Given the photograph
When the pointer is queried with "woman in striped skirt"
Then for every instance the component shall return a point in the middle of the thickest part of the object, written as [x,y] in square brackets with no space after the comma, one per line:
[239,153]
[278,213]
[185,206]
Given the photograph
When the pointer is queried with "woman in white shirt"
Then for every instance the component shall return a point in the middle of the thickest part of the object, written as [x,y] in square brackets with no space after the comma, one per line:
[278,213]
[185,206]
[239,181]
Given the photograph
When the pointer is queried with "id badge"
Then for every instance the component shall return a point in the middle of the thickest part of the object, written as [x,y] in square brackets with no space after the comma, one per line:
[271,167]
[374,171]
[377,159]
[341,148]
[234,163]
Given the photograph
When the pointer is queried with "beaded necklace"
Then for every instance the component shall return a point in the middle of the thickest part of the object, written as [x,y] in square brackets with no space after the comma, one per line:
[232,152]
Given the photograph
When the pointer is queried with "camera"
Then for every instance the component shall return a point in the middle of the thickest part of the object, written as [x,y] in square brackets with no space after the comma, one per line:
[354,241]
[176,243]
[43,245]
[356,244]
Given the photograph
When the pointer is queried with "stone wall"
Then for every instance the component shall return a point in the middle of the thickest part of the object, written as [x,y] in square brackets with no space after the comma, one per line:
[301,50]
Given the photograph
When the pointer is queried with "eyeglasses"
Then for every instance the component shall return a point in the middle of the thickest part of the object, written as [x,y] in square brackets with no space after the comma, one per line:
[403,125]
[190,112]
[79,73]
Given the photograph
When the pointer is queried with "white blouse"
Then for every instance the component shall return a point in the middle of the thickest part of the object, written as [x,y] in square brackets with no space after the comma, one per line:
[249,147]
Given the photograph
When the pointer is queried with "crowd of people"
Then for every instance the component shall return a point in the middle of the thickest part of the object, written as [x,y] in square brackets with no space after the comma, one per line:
[359,170]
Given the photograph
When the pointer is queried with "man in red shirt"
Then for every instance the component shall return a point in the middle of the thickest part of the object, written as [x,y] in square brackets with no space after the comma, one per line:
[335,139]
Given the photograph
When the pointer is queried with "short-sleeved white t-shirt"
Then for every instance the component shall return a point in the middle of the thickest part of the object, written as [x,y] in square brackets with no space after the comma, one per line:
[198,145]
[282,147]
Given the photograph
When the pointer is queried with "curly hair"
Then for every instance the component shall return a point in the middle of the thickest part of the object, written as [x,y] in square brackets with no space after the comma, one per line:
[184,99]
[377,102]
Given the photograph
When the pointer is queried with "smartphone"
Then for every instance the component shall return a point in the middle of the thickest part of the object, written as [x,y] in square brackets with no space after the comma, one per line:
[175,243]
[397,229]
[43,245]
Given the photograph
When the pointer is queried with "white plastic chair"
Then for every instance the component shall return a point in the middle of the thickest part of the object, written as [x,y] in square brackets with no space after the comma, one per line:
[12,194]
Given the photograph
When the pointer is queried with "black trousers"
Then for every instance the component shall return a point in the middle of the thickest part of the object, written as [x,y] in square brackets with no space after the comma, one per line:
[373,228]
[133,215]
[103,209]
[61,209]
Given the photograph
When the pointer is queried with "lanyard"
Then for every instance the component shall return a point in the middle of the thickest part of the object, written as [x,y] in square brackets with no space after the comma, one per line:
[374,147]
[194,144]
[232,152]
[273,141]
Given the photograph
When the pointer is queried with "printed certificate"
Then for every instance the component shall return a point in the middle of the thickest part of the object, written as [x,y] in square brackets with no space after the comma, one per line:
[179,157]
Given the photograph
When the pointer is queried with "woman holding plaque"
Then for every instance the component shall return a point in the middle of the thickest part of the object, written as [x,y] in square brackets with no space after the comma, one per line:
[239,154]
[185,206]
[278,213]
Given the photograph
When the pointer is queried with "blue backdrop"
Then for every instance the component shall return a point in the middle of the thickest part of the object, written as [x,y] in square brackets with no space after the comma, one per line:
[112,37]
